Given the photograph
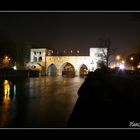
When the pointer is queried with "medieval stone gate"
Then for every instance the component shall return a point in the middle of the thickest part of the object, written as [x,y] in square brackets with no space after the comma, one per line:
[65,65]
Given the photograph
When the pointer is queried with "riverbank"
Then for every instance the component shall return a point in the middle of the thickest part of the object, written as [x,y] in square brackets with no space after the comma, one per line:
[4,73]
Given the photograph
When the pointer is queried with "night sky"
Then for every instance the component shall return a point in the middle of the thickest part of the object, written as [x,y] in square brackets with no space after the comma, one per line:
[73,30]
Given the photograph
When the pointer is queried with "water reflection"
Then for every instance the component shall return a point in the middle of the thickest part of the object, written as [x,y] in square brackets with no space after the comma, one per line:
[7,94]
[37,102]
[6,86]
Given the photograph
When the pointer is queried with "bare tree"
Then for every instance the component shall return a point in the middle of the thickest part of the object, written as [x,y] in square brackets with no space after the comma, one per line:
[108,52]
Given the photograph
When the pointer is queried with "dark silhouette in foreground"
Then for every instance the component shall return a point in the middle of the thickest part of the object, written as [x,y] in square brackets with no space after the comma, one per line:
[106,100]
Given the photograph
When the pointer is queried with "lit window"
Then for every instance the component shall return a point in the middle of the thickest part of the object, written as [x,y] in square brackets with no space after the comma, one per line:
[99,55]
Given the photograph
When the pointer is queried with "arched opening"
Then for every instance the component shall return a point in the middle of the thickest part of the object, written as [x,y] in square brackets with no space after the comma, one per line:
[52,70]
[83,70]
[68,70]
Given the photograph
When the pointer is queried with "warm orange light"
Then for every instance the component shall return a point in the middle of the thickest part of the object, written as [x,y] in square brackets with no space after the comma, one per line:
[6,88]
[113,66]
[123,61]
[138,66]
[118,57]
[5,104]
[131,58]
[78,51]
[6,60]
[6,57]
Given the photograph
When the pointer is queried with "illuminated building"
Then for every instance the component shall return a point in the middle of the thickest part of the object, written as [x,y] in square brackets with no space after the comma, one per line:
[57,65]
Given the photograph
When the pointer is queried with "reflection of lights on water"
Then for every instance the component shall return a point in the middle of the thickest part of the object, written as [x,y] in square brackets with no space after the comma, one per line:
[14,89]
[6,86]
[14,92]
[64,82]
[5,104]
[9,90]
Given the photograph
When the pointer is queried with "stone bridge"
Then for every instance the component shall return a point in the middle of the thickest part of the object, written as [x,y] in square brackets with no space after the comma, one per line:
[61,65]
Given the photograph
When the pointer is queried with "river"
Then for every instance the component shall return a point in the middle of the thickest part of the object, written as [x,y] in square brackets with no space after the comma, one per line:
[42,102]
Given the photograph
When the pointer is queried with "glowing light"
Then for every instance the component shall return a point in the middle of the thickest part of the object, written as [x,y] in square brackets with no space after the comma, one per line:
[78,51]
[6,60]
[123,61]
[15,68]
[118,57]
[5,104]
[6,57]
[71,51]
[113,66]
[131,58]
[122,66]
[6,86]
[138,66]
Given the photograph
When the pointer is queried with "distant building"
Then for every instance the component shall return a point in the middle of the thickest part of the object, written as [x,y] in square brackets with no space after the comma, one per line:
[43,59]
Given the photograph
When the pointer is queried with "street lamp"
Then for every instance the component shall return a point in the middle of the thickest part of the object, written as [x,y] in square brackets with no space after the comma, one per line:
[78,51]
[123,62]
[6,60]
[138,66]
[131,58]
[118,58]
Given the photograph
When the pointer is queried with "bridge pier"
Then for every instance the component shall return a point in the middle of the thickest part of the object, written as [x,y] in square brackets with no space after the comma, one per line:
[59,73]
[76,73]
[43,71]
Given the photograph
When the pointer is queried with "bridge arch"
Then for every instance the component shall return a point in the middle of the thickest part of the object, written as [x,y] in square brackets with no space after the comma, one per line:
[67,69]
[51,70]
[83,70]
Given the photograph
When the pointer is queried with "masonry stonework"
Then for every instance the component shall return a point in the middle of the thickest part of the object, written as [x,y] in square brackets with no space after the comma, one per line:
[41,61]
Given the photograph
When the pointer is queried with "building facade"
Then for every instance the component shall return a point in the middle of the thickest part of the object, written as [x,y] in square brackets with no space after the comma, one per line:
[42,59]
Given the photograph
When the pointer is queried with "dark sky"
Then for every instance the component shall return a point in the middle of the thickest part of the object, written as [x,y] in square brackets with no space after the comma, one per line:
[73,30]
